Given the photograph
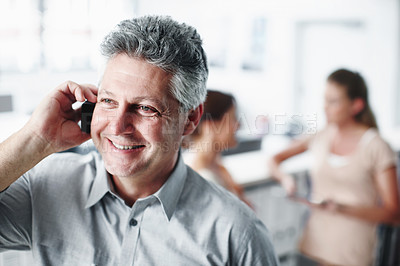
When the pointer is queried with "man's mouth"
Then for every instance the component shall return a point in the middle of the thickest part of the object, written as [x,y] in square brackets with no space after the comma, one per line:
[126,147]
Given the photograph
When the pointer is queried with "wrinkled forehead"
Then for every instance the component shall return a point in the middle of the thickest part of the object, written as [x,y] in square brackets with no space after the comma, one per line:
[137,76]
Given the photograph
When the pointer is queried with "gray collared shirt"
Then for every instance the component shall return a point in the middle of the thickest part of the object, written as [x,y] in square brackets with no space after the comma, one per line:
[65,211]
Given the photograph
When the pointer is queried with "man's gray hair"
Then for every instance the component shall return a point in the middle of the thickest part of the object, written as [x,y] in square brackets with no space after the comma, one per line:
[174,47]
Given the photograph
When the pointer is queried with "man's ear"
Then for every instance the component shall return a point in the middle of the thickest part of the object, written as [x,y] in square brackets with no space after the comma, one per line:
[193,119]
[358,106]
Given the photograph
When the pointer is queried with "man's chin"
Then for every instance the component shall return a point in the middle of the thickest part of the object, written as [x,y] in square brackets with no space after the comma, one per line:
[121,174]
[120,170]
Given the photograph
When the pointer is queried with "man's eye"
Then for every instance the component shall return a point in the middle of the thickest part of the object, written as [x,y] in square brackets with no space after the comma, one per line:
[147,110]
[106,100]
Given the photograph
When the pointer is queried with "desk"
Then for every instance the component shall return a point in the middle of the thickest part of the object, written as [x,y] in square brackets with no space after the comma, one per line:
[251,168]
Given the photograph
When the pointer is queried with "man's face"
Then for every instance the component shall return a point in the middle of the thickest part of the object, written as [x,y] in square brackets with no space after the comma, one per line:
[136,124]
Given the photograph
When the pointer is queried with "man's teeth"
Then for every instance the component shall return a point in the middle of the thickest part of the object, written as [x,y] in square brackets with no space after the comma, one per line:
[123,147]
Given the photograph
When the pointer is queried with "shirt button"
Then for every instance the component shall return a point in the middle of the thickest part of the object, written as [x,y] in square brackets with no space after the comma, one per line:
[132,222]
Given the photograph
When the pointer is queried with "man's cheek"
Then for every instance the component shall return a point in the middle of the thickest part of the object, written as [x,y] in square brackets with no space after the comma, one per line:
[173,128]
[101,119]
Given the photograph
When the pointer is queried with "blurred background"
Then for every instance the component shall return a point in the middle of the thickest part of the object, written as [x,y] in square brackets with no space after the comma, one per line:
[273,56]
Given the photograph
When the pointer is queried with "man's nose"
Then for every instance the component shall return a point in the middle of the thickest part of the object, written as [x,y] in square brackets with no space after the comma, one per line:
[122,122]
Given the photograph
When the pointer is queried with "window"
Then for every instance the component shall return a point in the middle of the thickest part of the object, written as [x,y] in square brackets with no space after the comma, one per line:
[56,35]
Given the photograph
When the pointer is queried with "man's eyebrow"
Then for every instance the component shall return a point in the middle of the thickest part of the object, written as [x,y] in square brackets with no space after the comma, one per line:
[106,92]
[152,99]
[138,99]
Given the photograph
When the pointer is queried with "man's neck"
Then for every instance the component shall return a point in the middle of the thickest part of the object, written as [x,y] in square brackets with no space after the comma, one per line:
[133,188]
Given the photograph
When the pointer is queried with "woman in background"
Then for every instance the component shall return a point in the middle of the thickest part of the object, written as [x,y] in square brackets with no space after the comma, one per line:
[353,177]
[215,133]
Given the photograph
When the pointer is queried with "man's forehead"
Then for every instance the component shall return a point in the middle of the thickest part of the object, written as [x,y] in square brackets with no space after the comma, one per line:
[159,99]
[103,91]
[136,78]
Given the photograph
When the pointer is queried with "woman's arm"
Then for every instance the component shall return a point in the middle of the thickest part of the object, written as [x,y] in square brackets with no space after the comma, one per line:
[387,212]
[296,147]
[232,186]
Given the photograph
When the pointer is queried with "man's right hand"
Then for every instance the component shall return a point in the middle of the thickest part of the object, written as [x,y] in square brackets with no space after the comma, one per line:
[54,123]
[53,127]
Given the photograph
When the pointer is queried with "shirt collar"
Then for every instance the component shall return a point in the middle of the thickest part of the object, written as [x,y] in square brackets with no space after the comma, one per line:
[101,185]
[168,195]
[170,192]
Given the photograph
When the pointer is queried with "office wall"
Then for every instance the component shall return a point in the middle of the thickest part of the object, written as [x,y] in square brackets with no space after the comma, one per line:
[273,55]
[302,42]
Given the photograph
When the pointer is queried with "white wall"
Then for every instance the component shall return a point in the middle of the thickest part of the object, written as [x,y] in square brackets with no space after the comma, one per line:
[274,90]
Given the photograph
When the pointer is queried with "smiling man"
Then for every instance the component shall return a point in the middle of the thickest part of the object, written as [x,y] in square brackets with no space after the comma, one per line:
[134,202]
[135,95]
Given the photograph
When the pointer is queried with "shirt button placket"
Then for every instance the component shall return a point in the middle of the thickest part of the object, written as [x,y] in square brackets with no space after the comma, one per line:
[131,237]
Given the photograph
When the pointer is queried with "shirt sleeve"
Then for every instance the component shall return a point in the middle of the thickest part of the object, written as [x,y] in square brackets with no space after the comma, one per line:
[2,193]
[382,156]
[256,247]
[16,216]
